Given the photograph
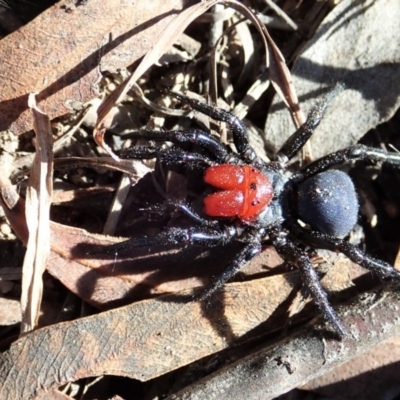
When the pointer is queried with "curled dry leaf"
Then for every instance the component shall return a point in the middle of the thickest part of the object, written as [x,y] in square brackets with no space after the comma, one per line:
[14,209]
[61,54]
[37,209]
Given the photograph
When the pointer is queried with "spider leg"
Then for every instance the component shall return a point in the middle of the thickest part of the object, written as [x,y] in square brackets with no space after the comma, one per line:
[319,240]
[167,156]
[201,236]
[310,279]
[242,258]
[203,139]
[351,153]
[299,138]
[239,130]
[170,207]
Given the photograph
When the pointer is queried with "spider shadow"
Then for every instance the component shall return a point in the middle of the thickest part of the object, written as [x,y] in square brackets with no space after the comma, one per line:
[174,269]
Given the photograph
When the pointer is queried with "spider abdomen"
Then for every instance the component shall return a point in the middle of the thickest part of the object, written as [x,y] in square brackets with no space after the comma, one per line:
[328,203]
[245,191]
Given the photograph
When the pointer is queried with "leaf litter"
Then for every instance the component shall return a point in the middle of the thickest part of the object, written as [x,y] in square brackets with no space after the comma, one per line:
[160,329]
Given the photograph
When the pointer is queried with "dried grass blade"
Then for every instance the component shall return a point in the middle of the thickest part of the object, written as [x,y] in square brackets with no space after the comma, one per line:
[281,79]
[279,72]
[38,200]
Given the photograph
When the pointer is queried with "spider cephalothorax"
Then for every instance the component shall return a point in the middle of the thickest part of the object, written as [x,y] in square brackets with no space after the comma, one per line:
[254,200]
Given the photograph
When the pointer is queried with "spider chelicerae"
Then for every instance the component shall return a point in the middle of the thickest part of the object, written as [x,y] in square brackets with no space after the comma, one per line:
[255,201]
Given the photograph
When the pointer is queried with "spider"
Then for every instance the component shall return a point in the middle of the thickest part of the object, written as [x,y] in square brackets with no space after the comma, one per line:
[254,201]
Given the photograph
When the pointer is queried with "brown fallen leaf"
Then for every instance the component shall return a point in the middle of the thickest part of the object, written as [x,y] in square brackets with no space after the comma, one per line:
[62,53]
[171,331]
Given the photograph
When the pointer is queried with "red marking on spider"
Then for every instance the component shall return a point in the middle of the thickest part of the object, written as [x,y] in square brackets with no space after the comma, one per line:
[245,192]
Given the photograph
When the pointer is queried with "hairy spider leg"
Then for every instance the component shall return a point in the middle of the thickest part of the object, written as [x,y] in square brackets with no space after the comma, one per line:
[201,236]
[170,207]
[322,241]
[168,156]
[238,128]
[250,251]
[205,236]
[300,137]
[351,153]
[309,277]
[215,148]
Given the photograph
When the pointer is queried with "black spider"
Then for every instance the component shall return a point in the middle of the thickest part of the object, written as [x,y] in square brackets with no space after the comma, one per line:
[256,200]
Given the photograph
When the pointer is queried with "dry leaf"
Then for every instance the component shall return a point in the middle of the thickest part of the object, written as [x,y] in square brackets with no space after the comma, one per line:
[174,332]
[357,44]
[171,331]
[62,53]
